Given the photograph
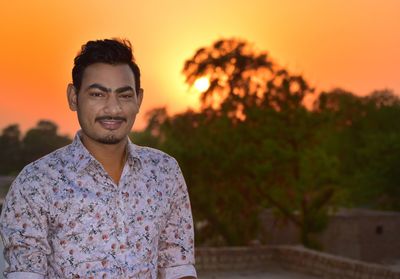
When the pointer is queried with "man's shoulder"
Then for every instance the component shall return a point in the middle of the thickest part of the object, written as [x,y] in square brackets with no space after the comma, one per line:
[52,157]
[44,165]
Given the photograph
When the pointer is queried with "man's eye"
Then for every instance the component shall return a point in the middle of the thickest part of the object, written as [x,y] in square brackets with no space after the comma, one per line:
[126,96]
[96,94]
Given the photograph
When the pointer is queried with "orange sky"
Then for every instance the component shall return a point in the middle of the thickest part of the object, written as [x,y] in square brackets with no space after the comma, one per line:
[353,44]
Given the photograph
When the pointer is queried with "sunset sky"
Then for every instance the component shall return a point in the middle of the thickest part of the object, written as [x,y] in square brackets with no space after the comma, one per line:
[352,44]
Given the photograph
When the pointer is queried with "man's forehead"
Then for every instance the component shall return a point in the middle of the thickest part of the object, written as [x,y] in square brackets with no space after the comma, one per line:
[108,72]
[108,89]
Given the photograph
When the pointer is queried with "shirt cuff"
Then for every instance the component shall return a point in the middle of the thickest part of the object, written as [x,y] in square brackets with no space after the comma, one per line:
[24,275]
[177,272]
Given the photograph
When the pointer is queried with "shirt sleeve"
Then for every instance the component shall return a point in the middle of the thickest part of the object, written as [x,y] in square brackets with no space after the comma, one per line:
[176,244]
[23,227]
[24,275]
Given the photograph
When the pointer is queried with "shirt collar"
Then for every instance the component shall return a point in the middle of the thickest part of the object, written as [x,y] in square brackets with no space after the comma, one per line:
[82,158]
[133,154]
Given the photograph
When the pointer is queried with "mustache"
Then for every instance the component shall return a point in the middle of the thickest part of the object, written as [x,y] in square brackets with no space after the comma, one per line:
[106,117]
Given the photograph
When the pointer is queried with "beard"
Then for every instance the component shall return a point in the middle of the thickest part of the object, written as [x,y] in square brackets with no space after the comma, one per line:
[110,139]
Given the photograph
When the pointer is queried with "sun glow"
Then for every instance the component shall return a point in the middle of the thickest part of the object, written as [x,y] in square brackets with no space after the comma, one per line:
[202,84]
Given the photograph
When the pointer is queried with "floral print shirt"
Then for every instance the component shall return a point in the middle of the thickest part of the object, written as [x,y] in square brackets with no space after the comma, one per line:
[64,217]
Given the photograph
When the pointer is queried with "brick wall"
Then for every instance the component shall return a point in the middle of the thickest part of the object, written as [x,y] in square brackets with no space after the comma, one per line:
[293,258]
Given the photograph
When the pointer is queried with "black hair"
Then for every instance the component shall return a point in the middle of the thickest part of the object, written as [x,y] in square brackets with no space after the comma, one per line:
[109,51]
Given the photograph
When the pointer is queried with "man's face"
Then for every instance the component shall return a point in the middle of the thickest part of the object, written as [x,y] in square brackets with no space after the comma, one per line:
[106,103]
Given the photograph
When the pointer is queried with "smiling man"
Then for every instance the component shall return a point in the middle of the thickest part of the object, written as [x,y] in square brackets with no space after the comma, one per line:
[101,207]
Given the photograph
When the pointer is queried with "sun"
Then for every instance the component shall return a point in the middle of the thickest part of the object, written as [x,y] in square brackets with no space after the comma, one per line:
[202,84]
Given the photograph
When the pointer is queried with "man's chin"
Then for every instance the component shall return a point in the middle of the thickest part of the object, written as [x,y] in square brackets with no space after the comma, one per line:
[109,140]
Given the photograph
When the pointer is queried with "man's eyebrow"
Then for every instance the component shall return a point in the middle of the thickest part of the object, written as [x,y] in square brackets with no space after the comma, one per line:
[108,90]
[98,86]
[124,89]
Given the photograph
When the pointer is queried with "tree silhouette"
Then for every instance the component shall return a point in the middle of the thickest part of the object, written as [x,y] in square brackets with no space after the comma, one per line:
[236,73]
[11,153]
[41,140]
[242,78]
[256,144]
[364,134]
[253,145]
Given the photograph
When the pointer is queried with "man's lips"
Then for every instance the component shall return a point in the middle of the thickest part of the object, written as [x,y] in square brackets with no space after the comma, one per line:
[110,123]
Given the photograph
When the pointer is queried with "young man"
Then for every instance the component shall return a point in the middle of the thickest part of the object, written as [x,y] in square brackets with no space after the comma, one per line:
[100,207]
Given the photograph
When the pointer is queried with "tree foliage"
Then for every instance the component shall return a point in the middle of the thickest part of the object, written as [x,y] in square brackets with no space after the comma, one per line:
[364,134]
[42,140]
[38,141]
[251,146]
[254,145]
[10,146]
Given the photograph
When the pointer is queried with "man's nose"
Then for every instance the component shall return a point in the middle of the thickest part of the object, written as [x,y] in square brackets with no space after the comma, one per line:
[113,105]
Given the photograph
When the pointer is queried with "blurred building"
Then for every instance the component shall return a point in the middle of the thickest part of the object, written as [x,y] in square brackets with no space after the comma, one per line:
[362,234]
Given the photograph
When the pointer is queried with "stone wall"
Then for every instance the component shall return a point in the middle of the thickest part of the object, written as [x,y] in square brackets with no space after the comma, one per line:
[328,266]
[233,258]
[293,258]
[361,234]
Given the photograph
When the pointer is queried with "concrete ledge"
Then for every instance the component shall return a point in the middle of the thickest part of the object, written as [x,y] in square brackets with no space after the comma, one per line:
[294,258]
[329,266]
[232,258]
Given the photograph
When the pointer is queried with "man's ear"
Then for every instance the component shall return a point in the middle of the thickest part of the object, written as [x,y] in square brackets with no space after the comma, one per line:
[140,97]
[72,96]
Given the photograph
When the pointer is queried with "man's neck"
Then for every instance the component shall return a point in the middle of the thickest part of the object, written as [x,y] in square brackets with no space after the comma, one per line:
[111,156]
